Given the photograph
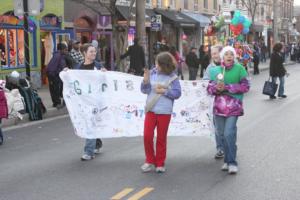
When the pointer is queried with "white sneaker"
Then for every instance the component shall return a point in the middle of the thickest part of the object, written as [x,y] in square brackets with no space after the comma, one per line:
[97,151]
[160,169]
[147,167]
[86,157]
[232,169]
[225,167]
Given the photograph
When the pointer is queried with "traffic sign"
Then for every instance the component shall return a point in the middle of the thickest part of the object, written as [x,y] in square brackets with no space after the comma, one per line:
[156,22]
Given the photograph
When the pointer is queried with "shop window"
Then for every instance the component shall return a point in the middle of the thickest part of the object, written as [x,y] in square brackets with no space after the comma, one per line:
[186,4]
[12,47]
[205,4]
[196,5]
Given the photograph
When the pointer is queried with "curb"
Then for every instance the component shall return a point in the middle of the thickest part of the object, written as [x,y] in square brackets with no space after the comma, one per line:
[51,113]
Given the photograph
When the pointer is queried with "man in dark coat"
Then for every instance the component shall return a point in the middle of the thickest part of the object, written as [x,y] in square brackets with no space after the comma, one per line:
[192,62]
[137,58]
[55,66]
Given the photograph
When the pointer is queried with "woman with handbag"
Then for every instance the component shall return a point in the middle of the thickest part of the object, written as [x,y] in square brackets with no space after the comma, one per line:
[228,83]
[277,69]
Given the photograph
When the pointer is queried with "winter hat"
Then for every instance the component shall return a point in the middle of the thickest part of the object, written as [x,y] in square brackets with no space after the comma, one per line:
[228,48]
[15,74]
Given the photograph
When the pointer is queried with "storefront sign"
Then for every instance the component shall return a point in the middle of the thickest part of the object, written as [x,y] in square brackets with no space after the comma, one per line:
[12,20]
[156,22]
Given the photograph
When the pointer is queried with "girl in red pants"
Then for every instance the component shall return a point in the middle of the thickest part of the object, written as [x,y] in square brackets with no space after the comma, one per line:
[162,87]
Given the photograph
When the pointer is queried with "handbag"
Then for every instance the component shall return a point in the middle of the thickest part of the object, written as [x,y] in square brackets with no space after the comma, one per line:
[270,88]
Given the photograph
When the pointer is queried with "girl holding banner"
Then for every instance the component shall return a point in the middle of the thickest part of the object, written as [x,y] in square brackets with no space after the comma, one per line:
[162,87]
[228,83]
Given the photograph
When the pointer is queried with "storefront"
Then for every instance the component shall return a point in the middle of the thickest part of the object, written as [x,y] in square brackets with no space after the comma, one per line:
[12,47]
[124,16]
[178,30]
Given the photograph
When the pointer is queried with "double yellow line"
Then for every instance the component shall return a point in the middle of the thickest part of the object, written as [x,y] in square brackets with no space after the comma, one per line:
[135,196]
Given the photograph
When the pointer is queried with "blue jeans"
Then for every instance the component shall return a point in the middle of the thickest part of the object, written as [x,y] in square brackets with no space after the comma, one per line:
[219,140]
[281,84]
[90,145]
[226,128]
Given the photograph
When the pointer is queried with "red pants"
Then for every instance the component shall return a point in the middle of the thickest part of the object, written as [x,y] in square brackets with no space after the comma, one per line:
[161,122]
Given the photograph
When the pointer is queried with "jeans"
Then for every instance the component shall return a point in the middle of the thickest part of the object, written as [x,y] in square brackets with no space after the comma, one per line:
[219,139]
[226,128]
[193,73]
[91,145]
[281,84]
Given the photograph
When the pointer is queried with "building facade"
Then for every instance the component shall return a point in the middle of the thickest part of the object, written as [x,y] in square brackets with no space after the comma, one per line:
[49,20]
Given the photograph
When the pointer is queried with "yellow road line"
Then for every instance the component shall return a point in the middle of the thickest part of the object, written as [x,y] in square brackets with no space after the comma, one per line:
[141,193]
[122,194]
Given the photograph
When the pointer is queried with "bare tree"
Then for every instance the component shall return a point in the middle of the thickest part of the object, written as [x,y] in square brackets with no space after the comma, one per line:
[253,6]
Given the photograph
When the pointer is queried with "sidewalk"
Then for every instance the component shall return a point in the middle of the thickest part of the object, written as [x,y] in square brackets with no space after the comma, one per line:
[54,112]
[51,111]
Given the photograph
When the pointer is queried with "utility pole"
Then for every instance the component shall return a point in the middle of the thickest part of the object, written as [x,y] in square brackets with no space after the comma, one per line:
[140,21]
[275,21]
[26,39]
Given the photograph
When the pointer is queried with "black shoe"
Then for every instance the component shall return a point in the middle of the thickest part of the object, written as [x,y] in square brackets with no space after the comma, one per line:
[283,96]
[1,139]
[273,97]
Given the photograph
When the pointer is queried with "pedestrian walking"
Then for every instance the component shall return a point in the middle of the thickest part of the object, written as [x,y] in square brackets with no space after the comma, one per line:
[54,67]
[215,63]
[179,61]
[137,58]
[92,146]
[277,69]
[204,60]
[75,52]
[228,83]
[162,86]
[192,62]
[256,56]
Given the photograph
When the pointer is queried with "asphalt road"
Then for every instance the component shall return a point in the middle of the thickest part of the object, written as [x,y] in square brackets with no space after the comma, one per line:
[42,161]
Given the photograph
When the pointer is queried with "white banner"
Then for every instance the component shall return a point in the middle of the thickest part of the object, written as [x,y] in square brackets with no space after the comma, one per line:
[110,104]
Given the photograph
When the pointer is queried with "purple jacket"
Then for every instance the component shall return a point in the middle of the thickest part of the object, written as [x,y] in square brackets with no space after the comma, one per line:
[165,103]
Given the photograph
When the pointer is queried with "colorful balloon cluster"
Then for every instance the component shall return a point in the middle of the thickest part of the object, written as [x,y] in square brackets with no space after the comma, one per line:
[240,25]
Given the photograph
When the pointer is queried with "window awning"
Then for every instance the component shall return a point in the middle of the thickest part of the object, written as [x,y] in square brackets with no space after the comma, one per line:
[124,11]
[177,18]
[203,20]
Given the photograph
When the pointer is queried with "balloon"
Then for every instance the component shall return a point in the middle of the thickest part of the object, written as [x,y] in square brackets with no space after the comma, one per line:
[240,38]
[237,14]
[245,30]
[220,22]
[235,21]
[241,19]
[232,27]
[247,23]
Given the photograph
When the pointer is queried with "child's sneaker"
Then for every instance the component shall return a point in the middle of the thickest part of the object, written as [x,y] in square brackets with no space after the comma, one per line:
[147,167]
[160,169]
[86,157]
[219,154]
[232,169]
[225,167]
